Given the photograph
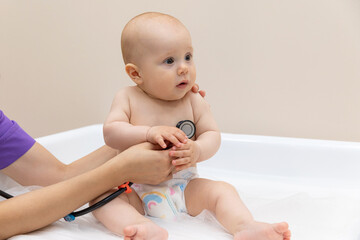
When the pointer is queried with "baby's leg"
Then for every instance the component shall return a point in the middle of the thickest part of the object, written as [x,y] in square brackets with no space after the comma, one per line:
[223,200]
[124,216]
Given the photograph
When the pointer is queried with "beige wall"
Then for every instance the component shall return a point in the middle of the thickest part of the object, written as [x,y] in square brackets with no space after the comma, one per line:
[282,68]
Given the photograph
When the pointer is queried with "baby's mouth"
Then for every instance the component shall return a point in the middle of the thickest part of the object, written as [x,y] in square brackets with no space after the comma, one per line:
[183,84]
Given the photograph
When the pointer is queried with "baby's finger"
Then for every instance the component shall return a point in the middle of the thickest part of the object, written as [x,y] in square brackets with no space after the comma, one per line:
[173,140]
[181,136]
[184,146]
[181,161]
[161,142]
[179,154]
[182,167]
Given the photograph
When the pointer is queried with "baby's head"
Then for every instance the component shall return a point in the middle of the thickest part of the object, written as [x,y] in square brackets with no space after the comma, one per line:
[158,55]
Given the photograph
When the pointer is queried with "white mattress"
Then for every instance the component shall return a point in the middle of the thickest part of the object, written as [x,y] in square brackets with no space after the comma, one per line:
[314,185]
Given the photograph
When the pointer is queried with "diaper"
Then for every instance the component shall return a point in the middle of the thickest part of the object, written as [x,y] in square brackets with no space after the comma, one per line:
[166,200]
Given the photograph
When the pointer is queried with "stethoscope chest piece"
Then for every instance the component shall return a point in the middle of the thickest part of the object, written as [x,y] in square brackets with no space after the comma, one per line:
[188,127]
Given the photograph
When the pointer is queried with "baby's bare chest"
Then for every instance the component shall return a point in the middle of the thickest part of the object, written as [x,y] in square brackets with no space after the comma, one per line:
[156,113]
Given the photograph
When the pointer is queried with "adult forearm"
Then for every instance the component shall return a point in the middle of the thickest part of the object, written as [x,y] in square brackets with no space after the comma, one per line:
[122,135]
[90,161]
[41,207]
[46,169]
[33,210]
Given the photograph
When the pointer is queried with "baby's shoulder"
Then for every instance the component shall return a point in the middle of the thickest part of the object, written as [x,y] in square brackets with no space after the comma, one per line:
[129,90]
[196,100]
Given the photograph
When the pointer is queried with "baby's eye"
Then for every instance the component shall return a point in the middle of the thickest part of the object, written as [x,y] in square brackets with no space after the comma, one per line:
[169,60]
[188,57]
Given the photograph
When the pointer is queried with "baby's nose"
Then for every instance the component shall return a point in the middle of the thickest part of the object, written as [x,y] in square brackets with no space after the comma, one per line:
[183,69]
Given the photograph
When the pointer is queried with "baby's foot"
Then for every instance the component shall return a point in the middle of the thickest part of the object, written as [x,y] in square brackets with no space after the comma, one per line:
[145,231]
[264,231]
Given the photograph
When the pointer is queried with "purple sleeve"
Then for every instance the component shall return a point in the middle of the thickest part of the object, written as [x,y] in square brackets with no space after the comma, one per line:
[14,141]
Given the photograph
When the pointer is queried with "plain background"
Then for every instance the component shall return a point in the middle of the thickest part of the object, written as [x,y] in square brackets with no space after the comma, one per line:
[270,67]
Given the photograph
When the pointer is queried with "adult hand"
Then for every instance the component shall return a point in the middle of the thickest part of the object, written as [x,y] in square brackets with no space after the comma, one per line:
[143,163]
[195,89]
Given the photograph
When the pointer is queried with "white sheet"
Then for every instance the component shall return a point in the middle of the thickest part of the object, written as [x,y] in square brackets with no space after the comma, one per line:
[313,185]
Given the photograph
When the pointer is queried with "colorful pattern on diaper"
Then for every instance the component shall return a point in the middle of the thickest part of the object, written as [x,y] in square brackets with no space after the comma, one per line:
[166,200]
[152,199]
[159,204]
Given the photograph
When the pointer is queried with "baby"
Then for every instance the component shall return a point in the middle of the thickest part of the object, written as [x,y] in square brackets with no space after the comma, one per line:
[158,54]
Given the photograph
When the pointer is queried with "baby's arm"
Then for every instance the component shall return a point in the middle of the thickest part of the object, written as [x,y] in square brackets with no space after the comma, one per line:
[120,134]
[208,137]
[207,132]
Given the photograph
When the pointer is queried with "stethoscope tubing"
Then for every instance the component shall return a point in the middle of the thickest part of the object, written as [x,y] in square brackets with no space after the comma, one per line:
[186,125]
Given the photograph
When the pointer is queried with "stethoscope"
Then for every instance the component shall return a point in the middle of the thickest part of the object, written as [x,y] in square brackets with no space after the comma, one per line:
[187,126]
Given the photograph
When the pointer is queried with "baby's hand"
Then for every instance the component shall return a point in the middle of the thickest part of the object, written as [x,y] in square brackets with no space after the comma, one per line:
[160,134]
[185,156]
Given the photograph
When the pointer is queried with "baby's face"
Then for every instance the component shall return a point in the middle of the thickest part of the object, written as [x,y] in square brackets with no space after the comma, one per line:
[166,64]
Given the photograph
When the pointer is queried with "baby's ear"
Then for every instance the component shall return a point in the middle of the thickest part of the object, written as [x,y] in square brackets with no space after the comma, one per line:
[133,71]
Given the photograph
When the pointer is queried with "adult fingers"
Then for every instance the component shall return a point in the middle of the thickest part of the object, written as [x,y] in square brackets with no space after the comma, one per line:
[195,88]
[202,93]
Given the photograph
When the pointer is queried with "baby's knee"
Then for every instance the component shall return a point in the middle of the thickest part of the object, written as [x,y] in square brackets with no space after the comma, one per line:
[222,189]
[223,186]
